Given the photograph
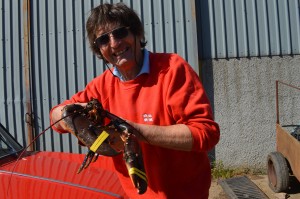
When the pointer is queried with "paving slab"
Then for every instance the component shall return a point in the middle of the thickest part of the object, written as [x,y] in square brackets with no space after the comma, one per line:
[217,192]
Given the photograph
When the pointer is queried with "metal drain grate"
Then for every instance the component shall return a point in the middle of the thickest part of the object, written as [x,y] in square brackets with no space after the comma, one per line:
[241,188]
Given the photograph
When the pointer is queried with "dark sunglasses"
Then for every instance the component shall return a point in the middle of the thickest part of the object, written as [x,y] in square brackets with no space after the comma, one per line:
[118,33]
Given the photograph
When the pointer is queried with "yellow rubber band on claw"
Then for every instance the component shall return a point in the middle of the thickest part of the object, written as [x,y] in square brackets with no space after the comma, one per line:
[138,172]
[99,141]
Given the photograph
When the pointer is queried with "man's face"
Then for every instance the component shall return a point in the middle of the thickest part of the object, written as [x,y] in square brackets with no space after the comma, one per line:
[119,46]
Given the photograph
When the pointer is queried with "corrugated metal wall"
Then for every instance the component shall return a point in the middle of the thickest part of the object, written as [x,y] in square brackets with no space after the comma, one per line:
[61,63]
[12,88]
[247,28]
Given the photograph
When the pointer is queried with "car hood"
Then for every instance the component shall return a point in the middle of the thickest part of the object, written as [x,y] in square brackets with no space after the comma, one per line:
[53,175]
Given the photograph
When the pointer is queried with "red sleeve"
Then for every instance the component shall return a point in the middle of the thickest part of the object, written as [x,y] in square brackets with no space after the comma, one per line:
[188,104]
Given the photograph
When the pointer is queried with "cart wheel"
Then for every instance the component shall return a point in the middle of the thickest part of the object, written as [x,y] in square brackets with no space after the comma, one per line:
[278,172]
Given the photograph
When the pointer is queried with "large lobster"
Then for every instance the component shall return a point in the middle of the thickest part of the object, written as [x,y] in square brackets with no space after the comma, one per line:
[87,124]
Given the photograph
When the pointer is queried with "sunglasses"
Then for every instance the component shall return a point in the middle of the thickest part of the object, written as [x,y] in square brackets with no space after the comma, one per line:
[118,33]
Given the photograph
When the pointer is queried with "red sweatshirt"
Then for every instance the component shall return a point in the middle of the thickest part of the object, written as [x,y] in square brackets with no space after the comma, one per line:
[170,94]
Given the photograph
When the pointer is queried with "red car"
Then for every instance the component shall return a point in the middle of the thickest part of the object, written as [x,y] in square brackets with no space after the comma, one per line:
[52,175]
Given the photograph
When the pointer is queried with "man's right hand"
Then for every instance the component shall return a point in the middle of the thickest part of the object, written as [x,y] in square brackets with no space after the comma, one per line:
[57,115]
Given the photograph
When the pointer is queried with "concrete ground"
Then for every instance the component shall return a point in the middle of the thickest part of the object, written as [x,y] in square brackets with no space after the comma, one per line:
[216,191]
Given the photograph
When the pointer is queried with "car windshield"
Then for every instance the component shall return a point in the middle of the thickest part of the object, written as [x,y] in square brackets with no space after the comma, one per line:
[8,145]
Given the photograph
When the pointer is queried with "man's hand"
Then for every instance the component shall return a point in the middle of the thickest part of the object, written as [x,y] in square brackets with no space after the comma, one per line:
[57,115]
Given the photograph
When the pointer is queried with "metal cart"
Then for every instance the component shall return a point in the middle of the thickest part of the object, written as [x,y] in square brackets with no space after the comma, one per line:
[286,159]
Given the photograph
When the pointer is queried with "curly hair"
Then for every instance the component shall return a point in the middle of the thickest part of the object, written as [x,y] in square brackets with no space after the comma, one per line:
[117,14]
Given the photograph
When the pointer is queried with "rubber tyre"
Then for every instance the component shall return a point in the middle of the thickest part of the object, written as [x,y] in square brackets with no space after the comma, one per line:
[278,172]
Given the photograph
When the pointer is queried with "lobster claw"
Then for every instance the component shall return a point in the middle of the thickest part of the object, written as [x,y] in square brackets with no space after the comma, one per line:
[134,163]
[87,131]
[89,157]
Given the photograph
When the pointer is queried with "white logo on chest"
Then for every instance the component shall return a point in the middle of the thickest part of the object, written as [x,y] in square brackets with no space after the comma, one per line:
[147,117]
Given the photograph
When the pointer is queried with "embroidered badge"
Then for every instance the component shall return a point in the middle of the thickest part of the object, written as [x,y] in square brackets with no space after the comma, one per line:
[147,117]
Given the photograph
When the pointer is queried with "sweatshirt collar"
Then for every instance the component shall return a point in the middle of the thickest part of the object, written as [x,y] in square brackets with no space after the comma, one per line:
[145,67]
